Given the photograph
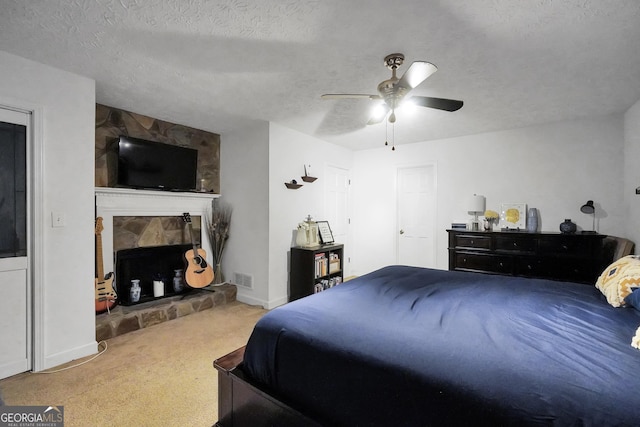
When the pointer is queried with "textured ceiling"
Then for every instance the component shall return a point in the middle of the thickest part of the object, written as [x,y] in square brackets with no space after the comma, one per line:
[219,64]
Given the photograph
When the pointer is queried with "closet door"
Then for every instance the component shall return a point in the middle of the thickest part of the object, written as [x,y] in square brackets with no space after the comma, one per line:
[416,204]
[15,314]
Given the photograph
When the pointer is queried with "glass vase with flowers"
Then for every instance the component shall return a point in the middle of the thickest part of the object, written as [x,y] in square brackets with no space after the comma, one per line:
[490,218]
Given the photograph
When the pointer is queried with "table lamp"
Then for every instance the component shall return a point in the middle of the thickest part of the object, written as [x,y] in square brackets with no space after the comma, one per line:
[589,208]
[476,207]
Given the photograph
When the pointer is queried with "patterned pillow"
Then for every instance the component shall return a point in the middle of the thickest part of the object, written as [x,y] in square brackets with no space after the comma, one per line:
[620,279]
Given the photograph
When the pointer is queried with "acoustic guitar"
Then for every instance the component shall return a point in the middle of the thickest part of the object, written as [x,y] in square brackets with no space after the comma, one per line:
[198,273]
[106,297]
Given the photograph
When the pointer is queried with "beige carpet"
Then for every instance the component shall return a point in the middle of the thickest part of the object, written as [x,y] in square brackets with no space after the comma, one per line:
[158,376]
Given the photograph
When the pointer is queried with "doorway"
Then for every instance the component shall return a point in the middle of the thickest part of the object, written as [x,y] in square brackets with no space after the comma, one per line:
[337,209]
[15,283]
[416,214]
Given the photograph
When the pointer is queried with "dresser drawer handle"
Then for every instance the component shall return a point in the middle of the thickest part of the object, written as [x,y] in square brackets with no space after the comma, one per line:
[471,241]
[515,244]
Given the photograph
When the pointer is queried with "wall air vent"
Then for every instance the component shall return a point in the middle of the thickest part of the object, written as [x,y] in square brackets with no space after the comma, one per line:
[243,280]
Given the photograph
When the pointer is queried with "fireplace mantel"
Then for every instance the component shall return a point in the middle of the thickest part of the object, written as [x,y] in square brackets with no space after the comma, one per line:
[112,202]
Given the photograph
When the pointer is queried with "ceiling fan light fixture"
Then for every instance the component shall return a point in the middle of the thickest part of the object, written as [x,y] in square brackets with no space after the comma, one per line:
[408,107]
[394,90]
[378,112]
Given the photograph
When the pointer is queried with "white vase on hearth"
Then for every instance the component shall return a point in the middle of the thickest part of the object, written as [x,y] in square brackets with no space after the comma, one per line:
[178,281]
[134,293]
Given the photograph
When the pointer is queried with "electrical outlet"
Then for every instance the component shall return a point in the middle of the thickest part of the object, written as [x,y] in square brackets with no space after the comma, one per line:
[57,219]
[638,190]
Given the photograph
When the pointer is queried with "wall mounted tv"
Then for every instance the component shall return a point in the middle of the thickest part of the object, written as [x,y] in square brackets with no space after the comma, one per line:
[137,163]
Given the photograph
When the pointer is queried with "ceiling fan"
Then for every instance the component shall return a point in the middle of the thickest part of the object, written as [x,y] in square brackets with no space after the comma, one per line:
[394,90]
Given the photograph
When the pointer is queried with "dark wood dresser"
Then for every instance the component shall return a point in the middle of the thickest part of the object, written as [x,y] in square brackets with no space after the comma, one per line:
[570,257]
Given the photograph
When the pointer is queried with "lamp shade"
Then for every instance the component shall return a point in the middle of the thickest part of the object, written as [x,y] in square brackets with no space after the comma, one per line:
[588,207]
[476,204]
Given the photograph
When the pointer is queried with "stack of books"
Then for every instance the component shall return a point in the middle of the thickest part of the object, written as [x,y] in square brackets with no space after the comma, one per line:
[458,225]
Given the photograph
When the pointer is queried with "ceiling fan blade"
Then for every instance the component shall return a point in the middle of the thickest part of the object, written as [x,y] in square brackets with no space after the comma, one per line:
[380,115]
[348,96]
[416,74]
[438,103]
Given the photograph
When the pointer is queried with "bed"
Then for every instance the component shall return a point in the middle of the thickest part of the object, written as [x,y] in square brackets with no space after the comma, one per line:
[419,347]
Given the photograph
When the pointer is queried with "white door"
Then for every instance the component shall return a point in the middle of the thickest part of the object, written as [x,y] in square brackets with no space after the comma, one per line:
[416,203]
[15,320]
[337,184]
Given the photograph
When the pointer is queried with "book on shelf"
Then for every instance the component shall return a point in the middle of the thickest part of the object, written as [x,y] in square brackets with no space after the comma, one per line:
[325,284]
[321,265]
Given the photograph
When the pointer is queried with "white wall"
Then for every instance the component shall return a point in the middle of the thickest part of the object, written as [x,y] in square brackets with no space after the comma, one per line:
[67,103]
[289,151]
[244,168]
[554,167]
[255,163]
[632,174]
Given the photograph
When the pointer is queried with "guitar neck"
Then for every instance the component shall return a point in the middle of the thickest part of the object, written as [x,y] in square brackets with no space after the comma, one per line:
[99,265]
[193,242]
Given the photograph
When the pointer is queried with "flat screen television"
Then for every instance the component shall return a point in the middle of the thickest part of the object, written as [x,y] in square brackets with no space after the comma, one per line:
[138,163]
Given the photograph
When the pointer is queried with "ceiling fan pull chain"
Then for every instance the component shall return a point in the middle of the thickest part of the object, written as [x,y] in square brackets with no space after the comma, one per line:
[393,136]
[386,134]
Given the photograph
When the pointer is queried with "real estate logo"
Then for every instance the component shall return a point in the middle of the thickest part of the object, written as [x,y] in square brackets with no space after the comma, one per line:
[31,416]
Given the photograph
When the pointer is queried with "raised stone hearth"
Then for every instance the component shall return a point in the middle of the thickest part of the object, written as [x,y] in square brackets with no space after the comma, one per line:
[123,319]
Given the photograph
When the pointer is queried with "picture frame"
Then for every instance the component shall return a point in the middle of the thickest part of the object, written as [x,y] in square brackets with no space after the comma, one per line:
[324,230]
[513,216]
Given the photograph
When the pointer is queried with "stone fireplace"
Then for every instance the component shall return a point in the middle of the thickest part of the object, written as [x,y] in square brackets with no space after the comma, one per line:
[145,238]
[139,219]
[149,218]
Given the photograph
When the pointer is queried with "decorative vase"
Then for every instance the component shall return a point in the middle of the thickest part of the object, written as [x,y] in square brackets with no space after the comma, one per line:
[218,279]
[532,220]
[178,281]
[488,225]
[568,227]
[134,293]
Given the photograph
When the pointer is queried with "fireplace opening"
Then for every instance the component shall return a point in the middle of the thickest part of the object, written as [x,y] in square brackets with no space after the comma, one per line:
[150,273]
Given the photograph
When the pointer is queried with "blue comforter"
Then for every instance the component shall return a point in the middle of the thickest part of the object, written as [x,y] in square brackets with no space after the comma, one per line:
[406,346]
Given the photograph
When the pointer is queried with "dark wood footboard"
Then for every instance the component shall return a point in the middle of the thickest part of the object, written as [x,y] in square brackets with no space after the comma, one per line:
[242,403]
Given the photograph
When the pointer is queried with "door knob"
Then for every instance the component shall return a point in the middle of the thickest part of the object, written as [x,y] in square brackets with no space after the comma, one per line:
[401,231]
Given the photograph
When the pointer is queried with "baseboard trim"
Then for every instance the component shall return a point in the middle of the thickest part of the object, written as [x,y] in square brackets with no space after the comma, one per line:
[61,358]
[248,299]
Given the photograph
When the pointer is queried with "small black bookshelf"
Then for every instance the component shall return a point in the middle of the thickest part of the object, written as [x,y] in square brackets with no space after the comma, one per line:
[315,269]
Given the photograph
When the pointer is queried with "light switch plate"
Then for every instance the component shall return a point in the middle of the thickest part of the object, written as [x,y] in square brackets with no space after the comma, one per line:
[57,219]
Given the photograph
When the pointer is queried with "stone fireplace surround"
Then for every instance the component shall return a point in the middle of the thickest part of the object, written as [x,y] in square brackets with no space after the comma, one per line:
[114,202]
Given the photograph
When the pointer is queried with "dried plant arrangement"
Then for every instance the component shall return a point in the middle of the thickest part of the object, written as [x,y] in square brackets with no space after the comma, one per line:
[218,224]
